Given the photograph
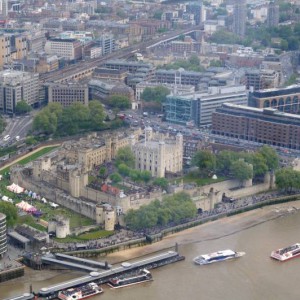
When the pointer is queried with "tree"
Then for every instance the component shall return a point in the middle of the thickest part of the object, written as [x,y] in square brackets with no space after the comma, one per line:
[10,211]
[2,124]
[161,182]
[96,114]
[156,94]
[194,60]
[102,171]
[205,161]
[157,14]
[125,156]
[119,102]
[173,208]
[259,164]
[30,140]
[145,176]
[287,179]
[115,177]
[45,122]
[73,118]
[22,107]
[124,169]
[224,160]
[270,156]
[241,170]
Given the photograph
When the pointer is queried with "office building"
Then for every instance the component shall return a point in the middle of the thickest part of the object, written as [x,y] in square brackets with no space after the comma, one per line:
[239,17]
[3,238]
[196,8]
[4,8]
[198,108]
[5,54]
[70,49]
[107,43]
[158,154]
[273,14]
[262,125]
[16,86]
[284,99]
[261,79]
[67,94]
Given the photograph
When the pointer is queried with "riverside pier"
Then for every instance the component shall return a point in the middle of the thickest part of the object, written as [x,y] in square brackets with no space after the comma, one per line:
[102,277]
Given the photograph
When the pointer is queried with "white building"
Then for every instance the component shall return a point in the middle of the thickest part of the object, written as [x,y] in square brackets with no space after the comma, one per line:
[70,49]
[158,154]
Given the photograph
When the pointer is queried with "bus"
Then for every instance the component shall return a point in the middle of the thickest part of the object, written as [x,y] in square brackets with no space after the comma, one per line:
[6,138]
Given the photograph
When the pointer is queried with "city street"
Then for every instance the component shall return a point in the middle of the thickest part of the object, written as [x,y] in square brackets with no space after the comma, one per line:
[17,126]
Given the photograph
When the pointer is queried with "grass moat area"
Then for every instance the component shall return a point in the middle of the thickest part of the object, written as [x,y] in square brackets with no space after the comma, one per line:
[76,220]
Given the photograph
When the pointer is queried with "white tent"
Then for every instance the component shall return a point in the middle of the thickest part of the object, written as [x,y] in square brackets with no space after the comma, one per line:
[24,206]
[5,198]
[44,200]
[15,188]
[54,205]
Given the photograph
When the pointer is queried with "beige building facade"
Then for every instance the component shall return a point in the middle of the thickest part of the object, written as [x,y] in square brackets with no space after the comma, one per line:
[67,94]
[158,154]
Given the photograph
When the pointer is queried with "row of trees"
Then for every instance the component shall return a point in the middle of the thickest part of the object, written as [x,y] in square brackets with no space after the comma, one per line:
[159,213]
[2,124]
[69,120]
[263,36]
[237,164]
[288,179]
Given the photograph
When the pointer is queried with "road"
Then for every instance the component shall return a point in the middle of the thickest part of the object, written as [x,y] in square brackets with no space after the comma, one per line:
[17,126]
[136,119]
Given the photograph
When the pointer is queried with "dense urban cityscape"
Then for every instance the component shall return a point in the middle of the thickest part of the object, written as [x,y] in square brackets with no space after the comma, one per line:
[123,122]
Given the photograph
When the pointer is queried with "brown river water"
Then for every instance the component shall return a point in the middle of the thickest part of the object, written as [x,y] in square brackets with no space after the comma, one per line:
[254,276]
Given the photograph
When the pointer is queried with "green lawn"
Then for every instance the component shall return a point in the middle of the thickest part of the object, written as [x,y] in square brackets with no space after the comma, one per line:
[201,181]
[76,220]
[30,220]
[31,157]
[86,236]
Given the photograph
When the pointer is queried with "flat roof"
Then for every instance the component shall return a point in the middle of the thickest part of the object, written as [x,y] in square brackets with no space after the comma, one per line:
[18,237]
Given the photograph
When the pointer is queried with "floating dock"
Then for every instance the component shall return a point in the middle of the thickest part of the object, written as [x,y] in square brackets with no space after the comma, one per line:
[102,277]
[70,265]
[88,262]
[26,296]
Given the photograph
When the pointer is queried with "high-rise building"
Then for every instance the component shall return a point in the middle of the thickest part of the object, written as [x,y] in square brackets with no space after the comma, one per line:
[4,8]
[196,8]
[3,240]
[16,86]
[240,17]
[273,14]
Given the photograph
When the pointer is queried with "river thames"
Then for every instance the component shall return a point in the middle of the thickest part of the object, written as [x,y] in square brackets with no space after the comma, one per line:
[254,276]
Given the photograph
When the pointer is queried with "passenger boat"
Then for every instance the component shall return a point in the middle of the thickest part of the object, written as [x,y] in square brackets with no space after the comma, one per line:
[127,280]
[205,259]
[287,253]
[82,292]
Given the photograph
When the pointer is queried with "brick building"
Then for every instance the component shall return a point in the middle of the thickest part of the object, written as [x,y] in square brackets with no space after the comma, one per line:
[267,125]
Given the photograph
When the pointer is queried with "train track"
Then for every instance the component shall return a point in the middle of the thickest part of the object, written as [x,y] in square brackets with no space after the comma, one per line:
[83,66]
